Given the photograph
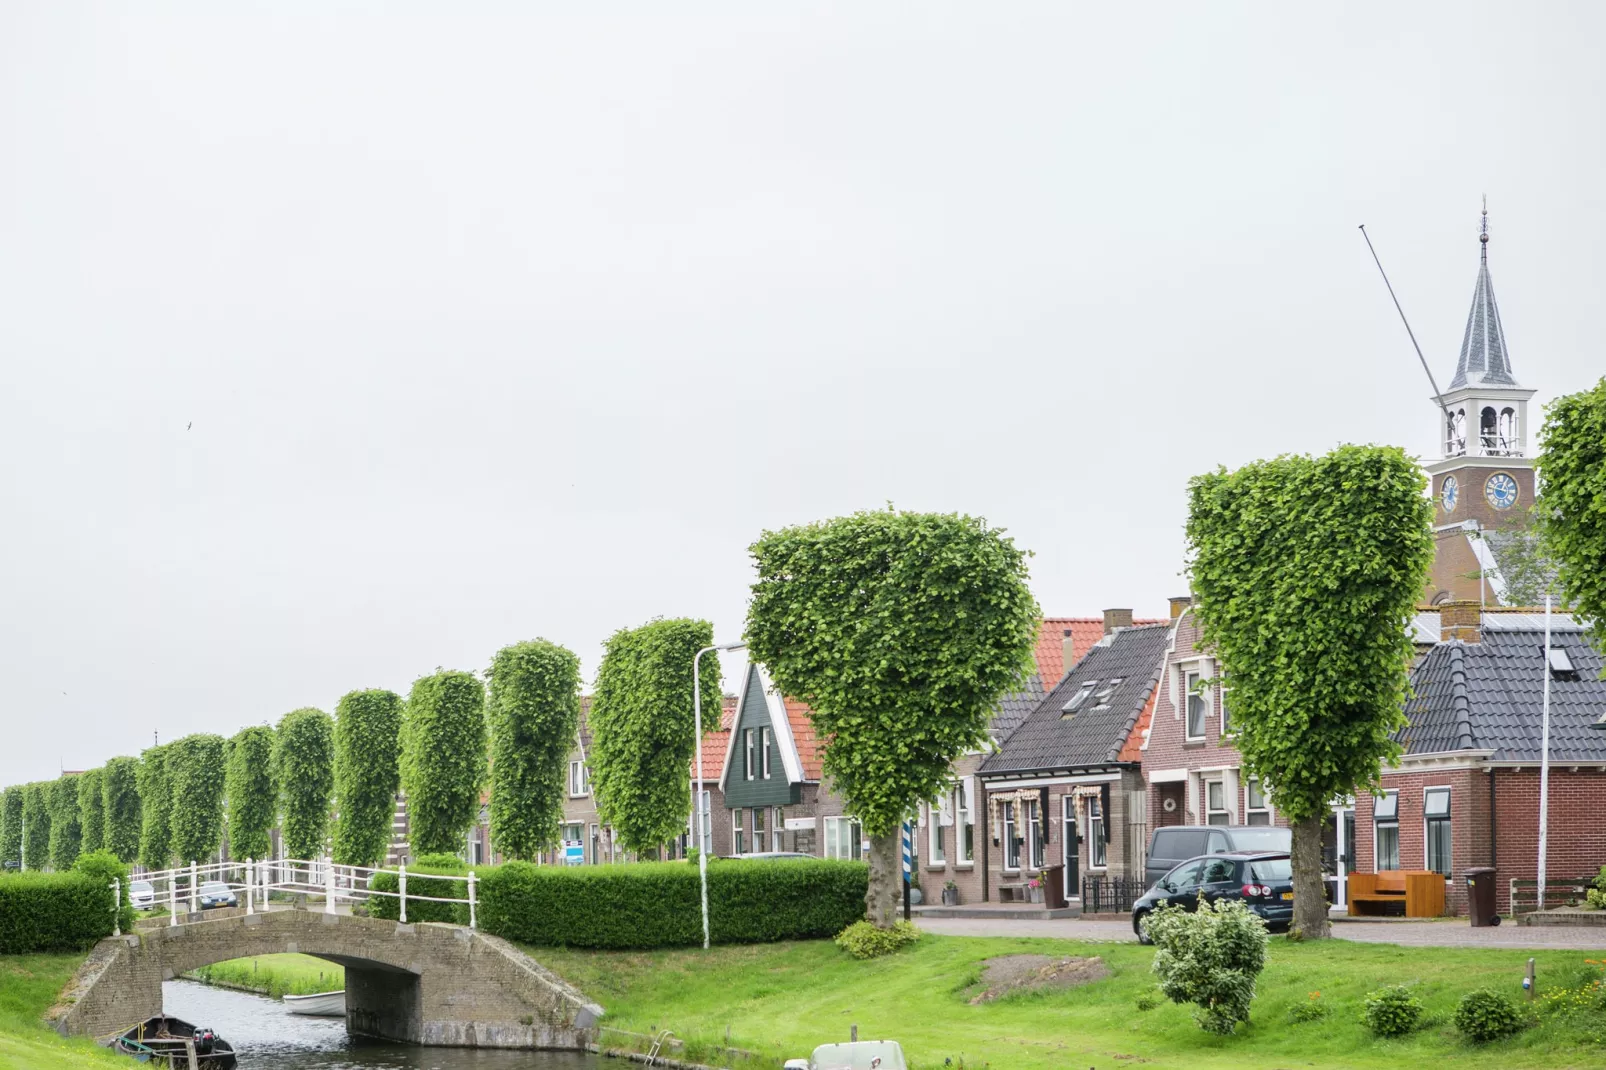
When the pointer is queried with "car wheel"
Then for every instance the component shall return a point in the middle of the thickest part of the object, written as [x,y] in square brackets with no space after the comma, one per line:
[1140,926]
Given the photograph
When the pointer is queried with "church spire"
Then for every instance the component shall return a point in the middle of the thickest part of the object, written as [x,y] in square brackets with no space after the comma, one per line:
[1484,360]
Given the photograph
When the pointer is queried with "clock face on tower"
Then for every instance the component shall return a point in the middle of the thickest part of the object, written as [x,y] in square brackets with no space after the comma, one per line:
[1501,491]
[1449,491]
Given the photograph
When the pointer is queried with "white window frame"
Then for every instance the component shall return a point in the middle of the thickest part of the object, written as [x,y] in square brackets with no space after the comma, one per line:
[1377,865]
[935,854]
[1226,730]
[1034,833]
[835,845]
[594,846]
[747,742]
[708,822]
[1212,811]
[760,834]
[584,780]
[738,834]
[964,824]
[1190,680]
[1097,850]
[1449,823]
[777,826]
[764,750]
[1068,832]
[1250,810]
[1006,814]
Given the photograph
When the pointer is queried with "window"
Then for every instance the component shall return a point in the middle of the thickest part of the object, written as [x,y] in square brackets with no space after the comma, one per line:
[1436,810]
[1068,831]
[1561,666]
[1226,715]
[1258,812]
[1386,837]
[747,741]
[842,836]
[1034,833]
[708,822]
[764,749]
[1185,878]
[1095,831]
[1011,844]
[758,828]
[965,822]
[1198,705]
[1219,871]
[1070,708]
[596,845]
[936,816]
[1216,803]
[1101,698]
[579,782]
[777,826]
[738,835]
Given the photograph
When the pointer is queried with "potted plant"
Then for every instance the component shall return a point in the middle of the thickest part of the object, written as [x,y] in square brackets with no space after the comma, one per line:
[1035,888]
[950,894]
[916,897]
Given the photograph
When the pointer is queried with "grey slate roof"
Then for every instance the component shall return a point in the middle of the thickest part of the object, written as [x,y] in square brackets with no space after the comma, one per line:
[1016,707]
[1484,360]
[1046,741]
[1489,696]
[1425,624]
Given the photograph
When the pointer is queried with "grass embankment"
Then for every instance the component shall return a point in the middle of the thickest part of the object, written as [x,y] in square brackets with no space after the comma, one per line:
[275,975]
[29,985]
[780,1000]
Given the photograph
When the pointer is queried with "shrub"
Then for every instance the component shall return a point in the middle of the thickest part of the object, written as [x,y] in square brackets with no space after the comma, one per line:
[1210,958]
[195,774]
[304,766]
[53,912]
[105,867]
[66,832]
[120,788]
[36,824]
[387,906]
[1484,1015]
[11,824]
[156,809]
[253,798]
[533,711]
[443,758]
[367,773]
[656,904]
[1147,1001]
[863,940]
[1312,1010]
[91,811]
[1392,1011]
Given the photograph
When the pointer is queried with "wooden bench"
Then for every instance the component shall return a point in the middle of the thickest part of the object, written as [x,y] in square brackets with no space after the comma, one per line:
[1014,893]
[1417,893]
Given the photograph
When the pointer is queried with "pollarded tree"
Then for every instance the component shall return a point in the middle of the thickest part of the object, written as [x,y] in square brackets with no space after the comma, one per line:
[642,728]
[252,794]
[367,773]
[901,631]
[443,760]
[533,713]
[304,764]
[1305,572]
[1572,509]
[120,792]
[195,772]
[66,832]
[36,824]
[11,826]
[156,809]
[92,810]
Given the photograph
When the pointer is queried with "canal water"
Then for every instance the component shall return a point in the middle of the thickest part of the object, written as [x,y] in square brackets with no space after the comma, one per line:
[268,1037]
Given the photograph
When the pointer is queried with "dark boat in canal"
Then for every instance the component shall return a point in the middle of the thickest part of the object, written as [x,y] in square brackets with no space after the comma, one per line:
[163,1042]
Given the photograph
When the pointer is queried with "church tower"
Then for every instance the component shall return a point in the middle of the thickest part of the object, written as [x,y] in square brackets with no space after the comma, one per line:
[1483,480]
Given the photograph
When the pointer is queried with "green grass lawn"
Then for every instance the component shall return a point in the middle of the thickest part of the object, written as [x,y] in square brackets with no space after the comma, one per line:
[29,984]
[276,975]
[780,1000]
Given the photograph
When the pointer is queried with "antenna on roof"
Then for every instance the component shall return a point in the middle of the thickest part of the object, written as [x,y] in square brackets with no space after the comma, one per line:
[1437,396]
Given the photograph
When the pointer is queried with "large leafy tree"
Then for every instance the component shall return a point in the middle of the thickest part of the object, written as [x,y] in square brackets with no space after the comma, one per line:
[1572,511]
[196,772]
[642,728]
[36,824]
[304,764]
[252,794]
[1306,571]
[66,830]
[367,772]
[120,791]
[443,760]
[901,631]
[534,710]
[11,825]
[92,810]
[156,809]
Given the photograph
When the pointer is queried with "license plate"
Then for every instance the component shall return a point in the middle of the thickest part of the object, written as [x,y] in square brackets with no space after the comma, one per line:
[1288,895]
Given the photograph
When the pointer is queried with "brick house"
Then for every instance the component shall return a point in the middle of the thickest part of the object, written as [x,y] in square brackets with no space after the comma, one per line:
[1064,792]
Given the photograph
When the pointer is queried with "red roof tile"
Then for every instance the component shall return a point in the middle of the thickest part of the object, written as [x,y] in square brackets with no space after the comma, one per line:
[808,747]
[1132,749]
[1085,631]
[717,741]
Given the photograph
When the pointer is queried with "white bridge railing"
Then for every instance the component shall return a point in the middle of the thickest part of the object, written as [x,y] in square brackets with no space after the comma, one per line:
[253,884]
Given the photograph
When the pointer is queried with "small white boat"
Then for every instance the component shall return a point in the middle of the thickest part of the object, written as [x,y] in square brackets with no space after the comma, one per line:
[855,1055]
[328,1004]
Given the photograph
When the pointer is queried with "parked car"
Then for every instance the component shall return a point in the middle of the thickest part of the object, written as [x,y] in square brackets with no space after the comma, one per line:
[1265,882]
[1169,847]
[766,855]
[855,1055]
[141,894]
[216,894]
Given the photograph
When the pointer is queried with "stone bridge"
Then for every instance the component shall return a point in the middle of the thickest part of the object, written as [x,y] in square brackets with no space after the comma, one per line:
[421,983]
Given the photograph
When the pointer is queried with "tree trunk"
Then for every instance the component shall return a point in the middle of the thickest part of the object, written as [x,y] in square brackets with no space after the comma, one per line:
[882,900]
[1310,892]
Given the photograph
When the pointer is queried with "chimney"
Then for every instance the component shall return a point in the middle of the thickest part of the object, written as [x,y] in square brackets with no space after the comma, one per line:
[1067,651]
[1460,620]
[1117,618]
[1179,604]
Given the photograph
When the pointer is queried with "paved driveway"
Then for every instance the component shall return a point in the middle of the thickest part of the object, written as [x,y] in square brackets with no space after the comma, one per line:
[1451,932]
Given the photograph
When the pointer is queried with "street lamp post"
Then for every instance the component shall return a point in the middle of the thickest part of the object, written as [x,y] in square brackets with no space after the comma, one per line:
[698,816]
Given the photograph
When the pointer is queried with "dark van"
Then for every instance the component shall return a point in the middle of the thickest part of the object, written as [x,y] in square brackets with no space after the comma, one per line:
[1172,846]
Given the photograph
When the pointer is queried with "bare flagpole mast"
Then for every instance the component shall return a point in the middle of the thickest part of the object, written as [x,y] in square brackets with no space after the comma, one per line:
[1437,395]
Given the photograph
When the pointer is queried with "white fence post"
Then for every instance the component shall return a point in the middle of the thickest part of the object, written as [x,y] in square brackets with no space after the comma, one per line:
[117,906]
[473,922]
[250,908]
[329,885]
[172,896]
[195,903]
[402,888]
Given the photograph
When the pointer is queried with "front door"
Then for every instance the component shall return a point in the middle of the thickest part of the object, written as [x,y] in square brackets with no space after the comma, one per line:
[1338,848]
[1069,847]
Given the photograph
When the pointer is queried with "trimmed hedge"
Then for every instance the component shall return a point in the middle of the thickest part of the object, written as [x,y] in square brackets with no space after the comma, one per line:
[53,912]
[384,906]
[656,904]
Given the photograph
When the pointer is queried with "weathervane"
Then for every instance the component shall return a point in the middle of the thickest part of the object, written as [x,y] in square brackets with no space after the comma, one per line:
[1483,236]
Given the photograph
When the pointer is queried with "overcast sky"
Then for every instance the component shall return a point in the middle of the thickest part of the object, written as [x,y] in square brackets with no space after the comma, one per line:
[504,321]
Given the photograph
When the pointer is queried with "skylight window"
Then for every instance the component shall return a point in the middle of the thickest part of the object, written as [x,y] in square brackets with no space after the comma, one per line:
[1077,699]
[1103,696]
[1561,666]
